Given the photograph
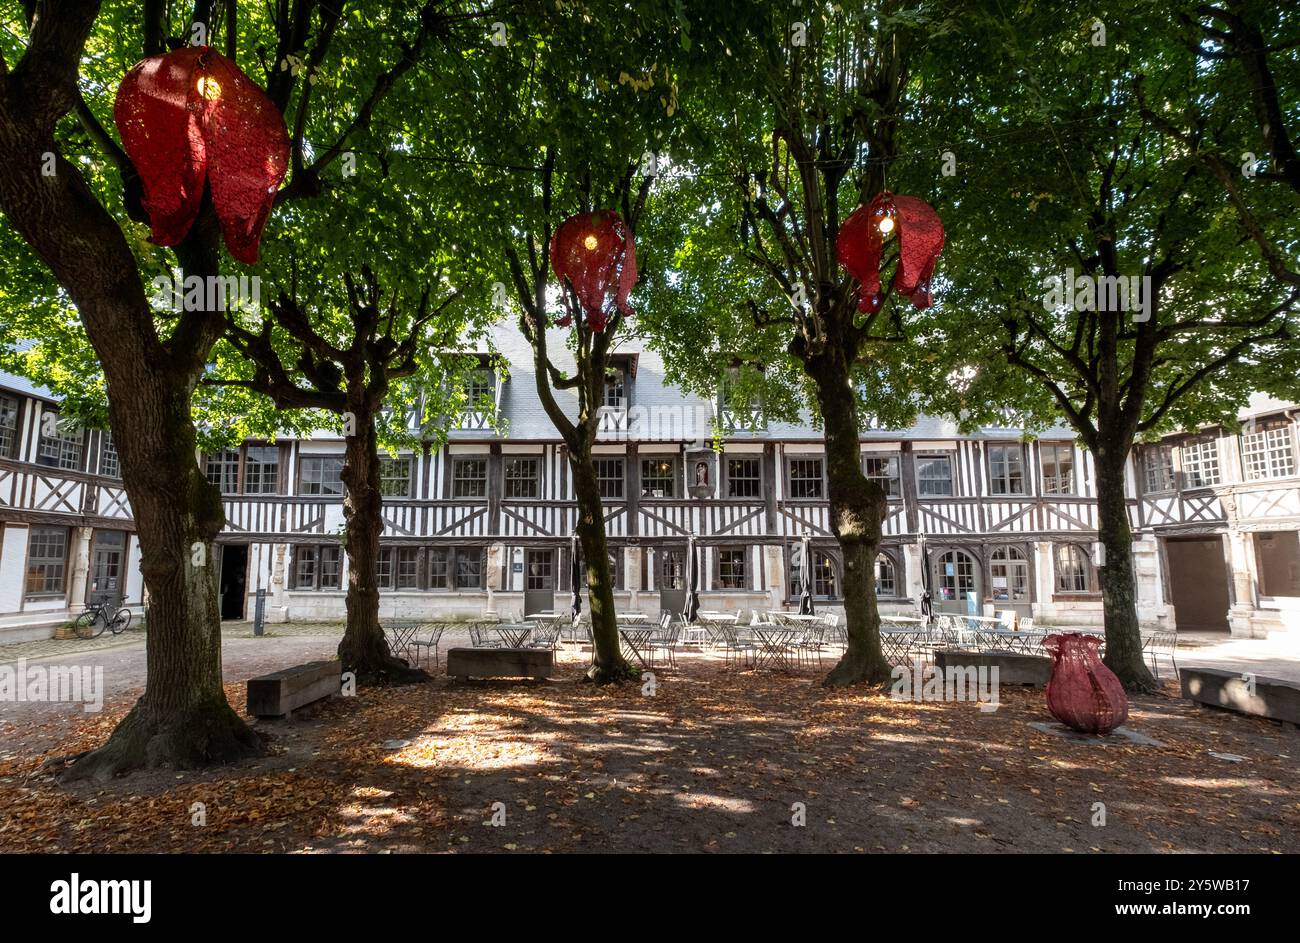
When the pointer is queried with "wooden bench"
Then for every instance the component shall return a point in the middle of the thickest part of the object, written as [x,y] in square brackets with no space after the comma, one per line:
[1272,697]
[536,663]
[280,693]
[1013,667]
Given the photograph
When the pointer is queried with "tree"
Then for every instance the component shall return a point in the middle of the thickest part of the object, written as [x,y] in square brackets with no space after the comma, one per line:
[349,365]
[1096,254]
[812,138]
[152,361]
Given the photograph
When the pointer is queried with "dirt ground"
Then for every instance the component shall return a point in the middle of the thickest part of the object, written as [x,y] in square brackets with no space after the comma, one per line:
[717,760]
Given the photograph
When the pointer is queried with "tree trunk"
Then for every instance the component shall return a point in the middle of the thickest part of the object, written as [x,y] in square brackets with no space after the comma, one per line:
[857,508]
[608,665]
[1118,586]
[183,719]
[364,649]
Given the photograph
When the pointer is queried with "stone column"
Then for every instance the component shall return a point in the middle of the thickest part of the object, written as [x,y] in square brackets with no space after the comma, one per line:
[81,568]
[1044,580]
[774,567]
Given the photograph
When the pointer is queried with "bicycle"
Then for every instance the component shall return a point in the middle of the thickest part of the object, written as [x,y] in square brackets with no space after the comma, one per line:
[92,623]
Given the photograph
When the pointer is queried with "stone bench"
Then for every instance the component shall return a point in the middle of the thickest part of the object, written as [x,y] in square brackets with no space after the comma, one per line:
[280,693]
[1013,667]
[536,663]
[1272,697]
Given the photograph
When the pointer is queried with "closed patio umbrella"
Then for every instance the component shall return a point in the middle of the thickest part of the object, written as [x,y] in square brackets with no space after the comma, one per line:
[575,579]
[927,601]
[805,576]
[692,583]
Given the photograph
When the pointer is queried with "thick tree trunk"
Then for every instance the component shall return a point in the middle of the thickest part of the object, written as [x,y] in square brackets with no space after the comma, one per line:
[183,719]
[857,508]
[608,665]
[1118,586]
[364,649]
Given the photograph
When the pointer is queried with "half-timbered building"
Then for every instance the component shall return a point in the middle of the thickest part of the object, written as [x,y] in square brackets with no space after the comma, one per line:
[984,521]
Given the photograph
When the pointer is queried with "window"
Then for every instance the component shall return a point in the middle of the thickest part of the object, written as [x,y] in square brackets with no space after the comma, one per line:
[1158,461]
[47,558]
[1009,569]
[523,478]
[824,576]
[934,476]
[222,470]
[1267,453]
[480,388]
[304,568]
[658,477]
[886,576]
[1058,467]
[1073,569]
[744,478]
[109,464]
[8,426]
[541,570]
[469,478]
[609,474]
[883,470]
[469,568]
[398,568]
[318,567]
[731,569]
[672,569]
[615,396]
[320,475]
[262,469]
[1200,464]
[956,577]
[395,477]
[440,567]
[805,477]
[455,567]
[1006,469]
[331,567]
[61,450]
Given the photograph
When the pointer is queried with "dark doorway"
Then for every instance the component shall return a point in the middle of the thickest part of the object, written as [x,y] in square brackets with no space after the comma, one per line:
[106,568]
[234,580]
[1198,583]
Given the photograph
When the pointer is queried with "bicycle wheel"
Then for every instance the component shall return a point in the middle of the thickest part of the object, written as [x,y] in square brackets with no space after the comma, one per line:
[121,621]
[89,624]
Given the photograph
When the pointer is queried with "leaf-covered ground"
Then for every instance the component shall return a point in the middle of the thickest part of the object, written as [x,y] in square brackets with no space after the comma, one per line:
[717,760]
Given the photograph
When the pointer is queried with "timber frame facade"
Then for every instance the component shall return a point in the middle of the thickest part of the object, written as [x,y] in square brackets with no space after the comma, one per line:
[986,521]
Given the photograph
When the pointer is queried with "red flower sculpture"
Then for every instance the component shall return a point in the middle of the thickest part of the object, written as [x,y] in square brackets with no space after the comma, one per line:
[920,240]
[191,116]
[1083,693]
[596,253]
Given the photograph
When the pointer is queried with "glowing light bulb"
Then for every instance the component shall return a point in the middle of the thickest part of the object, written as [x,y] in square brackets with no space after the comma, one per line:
[209,88]
[590,242]
[886,225]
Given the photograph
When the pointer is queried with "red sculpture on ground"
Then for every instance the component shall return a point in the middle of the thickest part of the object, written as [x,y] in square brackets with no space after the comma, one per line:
[595,251]
[920,240]
[1083,693]
[191,116]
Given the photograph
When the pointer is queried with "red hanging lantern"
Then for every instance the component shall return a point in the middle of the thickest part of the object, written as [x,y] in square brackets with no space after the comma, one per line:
[1083,693]
[862,239]
[597,254]
[191,116]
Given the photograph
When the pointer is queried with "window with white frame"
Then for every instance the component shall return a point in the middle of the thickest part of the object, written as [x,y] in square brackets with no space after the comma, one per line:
[480,388]
[61,450]
[469,477]
[262,469]
[110,466]
[744,478]
[452,568]
[1006,468]
[8,426]
[934,476]
[883,470]
[825,576]
[1268,453]
[1158,463]
[672,569]
[395,477]
[805,477]
[1200,464]
[320,475]
[1058,467]
[615,394]
[610,477]
[658,477]
[318,567]
[523,477]
[47,561]
[222,470]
